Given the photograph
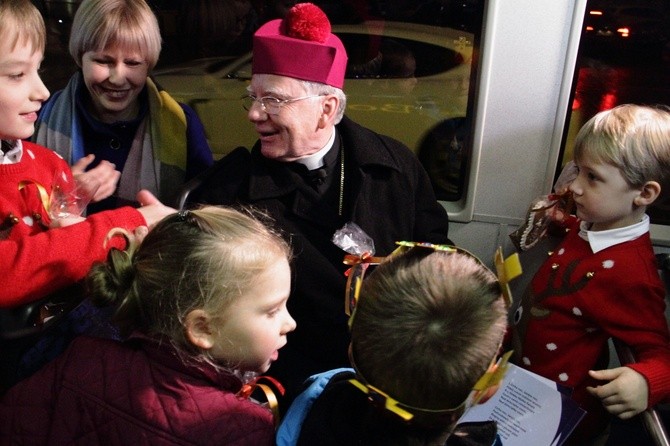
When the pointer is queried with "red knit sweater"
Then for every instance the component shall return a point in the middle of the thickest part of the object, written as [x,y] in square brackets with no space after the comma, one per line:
[34,261]
[577,301]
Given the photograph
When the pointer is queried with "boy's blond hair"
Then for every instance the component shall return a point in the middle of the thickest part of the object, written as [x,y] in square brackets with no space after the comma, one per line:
[633,138]
[21,21]
[125,23]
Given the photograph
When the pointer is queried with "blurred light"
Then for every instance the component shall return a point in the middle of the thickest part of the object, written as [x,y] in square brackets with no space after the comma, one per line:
[595,12]
[623,31]
[576,104]
[608,101]
[589,28]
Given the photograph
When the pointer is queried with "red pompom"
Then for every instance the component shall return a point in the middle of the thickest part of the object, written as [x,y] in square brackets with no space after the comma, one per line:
[306,21]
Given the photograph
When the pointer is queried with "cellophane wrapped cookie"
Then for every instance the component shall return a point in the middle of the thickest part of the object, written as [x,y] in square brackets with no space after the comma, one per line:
[546,212]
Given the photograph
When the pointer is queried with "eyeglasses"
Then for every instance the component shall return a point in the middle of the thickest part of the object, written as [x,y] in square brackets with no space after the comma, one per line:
[270,104]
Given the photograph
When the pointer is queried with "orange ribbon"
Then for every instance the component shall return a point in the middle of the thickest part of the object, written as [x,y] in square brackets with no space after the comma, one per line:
[273,404]
[44,196]
[366,257]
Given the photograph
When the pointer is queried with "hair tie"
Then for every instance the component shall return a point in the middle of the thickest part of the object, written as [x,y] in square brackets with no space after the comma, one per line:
[183,215]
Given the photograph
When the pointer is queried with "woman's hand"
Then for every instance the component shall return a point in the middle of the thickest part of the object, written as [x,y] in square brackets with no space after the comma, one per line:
[104,174]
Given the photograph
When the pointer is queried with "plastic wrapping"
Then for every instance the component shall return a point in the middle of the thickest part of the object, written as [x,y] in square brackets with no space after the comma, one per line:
[546,211]
[352,239]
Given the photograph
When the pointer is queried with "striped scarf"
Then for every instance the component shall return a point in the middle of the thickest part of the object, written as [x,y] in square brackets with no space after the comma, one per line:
[157,158]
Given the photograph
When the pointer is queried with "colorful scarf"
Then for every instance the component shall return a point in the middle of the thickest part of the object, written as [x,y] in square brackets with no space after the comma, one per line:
[157,158]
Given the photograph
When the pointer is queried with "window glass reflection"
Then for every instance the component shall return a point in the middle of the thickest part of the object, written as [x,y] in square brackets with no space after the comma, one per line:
[410,72]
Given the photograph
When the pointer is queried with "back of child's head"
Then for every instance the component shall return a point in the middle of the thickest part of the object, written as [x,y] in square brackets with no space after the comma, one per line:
[129,24]
[426,327]
[633,138]
[20,22]
[200,259]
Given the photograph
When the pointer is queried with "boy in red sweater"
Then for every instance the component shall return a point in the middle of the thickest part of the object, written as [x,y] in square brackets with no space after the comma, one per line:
[38,255]
[602,281]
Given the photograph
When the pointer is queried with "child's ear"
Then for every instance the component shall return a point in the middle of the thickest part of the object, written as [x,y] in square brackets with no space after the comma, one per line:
[648,193]
[197,325]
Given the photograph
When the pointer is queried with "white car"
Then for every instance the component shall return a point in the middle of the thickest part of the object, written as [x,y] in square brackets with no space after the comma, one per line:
[421,102]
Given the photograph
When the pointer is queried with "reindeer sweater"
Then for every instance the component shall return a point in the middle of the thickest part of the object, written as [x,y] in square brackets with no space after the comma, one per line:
[578,300]
[34,261]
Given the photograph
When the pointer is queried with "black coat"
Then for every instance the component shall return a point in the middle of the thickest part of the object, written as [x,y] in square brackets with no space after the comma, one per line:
[386,192]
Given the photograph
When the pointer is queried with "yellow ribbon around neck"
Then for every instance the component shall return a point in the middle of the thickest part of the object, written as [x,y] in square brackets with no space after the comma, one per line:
[44,195]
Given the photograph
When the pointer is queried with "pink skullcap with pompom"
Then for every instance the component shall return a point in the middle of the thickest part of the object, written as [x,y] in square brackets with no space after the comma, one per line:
[301,46]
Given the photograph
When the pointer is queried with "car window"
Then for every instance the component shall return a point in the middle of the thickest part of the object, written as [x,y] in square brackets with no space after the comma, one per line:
[410,73]
[408,58]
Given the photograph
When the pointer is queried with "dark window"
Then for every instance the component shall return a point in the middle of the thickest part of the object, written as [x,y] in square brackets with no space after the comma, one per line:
[614,68]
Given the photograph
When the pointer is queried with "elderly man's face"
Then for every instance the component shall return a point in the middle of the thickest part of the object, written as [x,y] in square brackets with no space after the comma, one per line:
[299,128]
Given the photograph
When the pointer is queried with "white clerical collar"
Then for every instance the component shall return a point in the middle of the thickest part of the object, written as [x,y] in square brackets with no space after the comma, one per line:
[315,160]
[14,154]
[600,240]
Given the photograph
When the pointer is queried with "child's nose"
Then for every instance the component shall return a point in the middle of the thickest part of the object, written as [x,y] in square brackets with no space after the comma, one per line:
[574,187]
[290,323]
[40,92]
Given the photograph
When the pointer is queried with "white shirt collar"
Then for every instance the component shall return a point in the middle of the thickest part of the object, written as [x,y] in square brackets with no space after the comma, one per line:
[599,240]
[315,160]
[14,154]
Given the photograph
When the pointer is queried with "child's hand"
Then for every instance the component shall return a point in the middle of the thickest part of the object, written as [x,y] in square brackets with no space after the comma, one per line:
[139,233]
[626,394]
[104,174]
[151,208]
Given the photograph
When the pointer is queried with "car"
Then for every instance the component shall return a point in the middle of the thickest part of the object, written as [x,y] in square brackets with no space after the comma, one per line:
[421,99]
[627,25]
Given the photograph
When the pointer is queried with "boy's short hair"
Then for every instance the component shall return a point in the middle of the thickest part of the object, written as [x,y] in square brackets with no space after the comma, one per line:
[634,138]
[426,327]
[127,23]
[20,20]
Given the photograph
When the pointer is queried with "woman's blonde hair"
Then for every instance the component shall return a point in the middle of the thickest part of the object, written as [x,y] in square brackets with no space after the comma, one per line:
[21,21]
[99,24]
[200,259]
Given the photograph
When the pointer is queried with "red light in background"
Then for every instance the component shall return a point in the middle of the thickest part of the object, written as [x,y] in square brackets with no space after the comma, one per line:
[576,104]
[608,101]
